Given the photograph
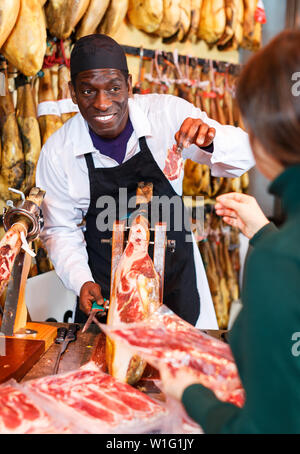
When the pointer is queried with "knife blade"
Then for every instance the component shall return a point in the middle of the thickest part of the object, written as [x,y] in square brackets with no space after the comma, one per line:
[70,337]
[96,308]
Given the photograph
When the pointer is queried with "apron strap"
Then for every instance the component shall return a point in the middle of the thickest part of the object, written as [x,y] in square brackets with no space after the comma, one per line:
[89,162]
[143,144]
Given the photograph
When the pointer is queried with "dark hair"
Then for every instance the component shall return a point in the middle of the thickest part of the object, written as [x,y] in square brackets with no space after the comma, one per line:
[268,98]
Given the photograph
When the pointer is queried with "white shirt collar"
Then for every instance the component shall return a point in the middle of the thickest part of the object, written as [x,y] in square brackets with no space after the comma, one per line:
[139,119]
[79,135]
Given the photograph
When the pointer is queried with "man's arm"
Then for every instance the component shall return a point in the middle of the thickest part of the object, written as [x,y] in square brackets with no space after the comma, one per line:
[232,155]
[63,239]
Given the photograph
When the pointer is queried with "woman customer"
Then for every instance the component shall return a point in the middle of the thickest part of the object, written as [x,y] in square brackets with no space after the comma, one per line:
[264,337]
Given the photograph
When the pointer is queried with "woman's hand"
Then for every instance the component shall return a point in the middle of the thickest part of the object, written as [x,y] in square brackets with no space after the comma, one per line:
[241,211]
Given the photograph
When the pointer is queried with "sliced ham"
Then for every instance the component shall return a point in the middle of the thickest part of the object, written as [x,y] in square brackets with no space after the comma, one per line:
[182,353]
[173,164]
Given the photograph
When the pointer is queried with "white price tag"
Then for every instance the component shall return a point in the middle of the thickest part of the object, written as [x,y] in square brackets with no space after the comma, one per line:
[67,106]
[48,108]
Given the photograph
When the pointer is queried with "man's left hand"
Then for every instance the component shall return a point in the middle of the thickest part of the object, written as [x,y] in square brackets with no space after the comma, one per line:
[195,131]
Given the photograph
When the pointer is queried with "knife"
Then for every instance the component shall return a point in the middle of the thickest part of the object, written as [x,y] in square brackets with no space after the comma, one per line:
[92,315]
[70,337]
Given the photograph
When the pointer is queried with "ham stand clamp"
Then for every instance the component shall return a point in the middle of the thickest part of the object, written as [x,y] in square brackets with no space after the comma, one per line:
[25,341]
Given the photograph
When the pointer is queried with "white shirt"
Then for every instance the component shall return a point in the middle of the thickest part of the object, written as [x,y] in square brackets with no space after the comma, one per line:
[62,172]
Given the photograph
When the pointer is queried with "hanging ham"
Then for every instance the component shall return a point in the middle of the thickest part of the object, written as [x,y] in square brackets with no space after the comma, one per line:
[146,15]
[195,19]
[92,17]
[171,19]
[63,15]
[30,133]
[66,106]
[9,10]
[113,17]
[48,113]
[12,157]
[212,20]
[26,45]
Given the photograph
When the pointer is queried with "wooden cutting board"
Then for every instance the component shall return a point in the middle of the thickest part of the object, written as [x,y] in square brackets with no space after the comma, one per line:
[18,356]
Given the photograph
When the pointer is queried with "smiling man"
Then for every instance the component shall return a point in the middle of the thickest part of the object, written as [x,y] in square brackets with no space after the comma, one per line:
[116,141]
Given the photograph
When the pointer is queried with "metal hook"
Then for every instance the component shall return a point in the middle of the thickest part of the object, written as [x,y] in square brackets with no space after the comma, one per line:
[18,192]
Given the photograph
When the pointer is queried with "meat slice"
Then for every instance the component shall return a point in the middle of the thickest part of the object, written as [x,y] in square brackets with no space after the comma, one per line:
[135,296]
[95,402]
[20,415]
[182,353]
[173,164]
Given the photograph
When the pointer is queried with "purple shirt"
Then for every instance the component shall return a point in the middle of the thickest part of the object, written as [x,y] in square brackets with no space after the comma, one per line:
[114,148]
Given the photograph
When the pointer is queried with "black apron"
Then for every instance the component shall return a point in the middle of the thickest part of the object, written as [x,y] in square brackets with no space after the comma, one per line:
[180,286]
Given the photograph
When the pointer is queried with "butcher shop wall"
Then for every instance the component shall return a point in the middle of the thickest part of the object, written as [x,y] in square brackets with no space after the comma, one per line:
[130,36]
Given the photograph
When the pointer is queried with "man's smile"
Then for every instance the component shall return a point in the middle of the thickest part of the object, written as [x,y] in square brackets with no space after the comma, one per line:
[104,118]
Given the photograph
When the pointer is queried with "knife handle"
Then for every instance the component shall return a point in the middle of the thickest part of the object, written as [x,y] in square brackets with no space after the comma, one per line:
[71,333]
[61,334]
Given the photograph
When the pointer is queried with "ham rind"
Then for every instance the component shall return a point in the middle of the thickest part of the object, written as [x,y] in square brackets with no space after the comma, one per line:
[95,402]
[20,415]
[135,296]
[182,354]
[173,163]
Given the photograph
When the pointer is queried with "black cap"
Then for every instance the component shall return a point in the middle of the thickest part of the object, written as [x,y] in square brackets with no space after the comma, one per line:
[97,51]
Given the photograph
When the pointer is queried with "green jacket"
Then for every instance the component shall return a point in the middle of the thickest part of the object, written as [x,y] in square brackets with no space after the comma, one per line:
[265,338]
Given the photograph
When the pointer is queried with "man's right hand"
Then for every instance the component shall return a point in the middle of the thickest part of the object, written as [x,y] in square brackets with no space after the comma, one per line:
[90,292]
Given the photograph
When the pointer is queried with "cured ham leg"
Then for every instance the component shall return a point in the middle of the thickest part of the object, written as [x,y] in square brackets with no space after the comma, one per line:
[135,296]
[30,134]
[26,45]
[12,157]
[9,10]
[51,122]
[92,17]
[63,15]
